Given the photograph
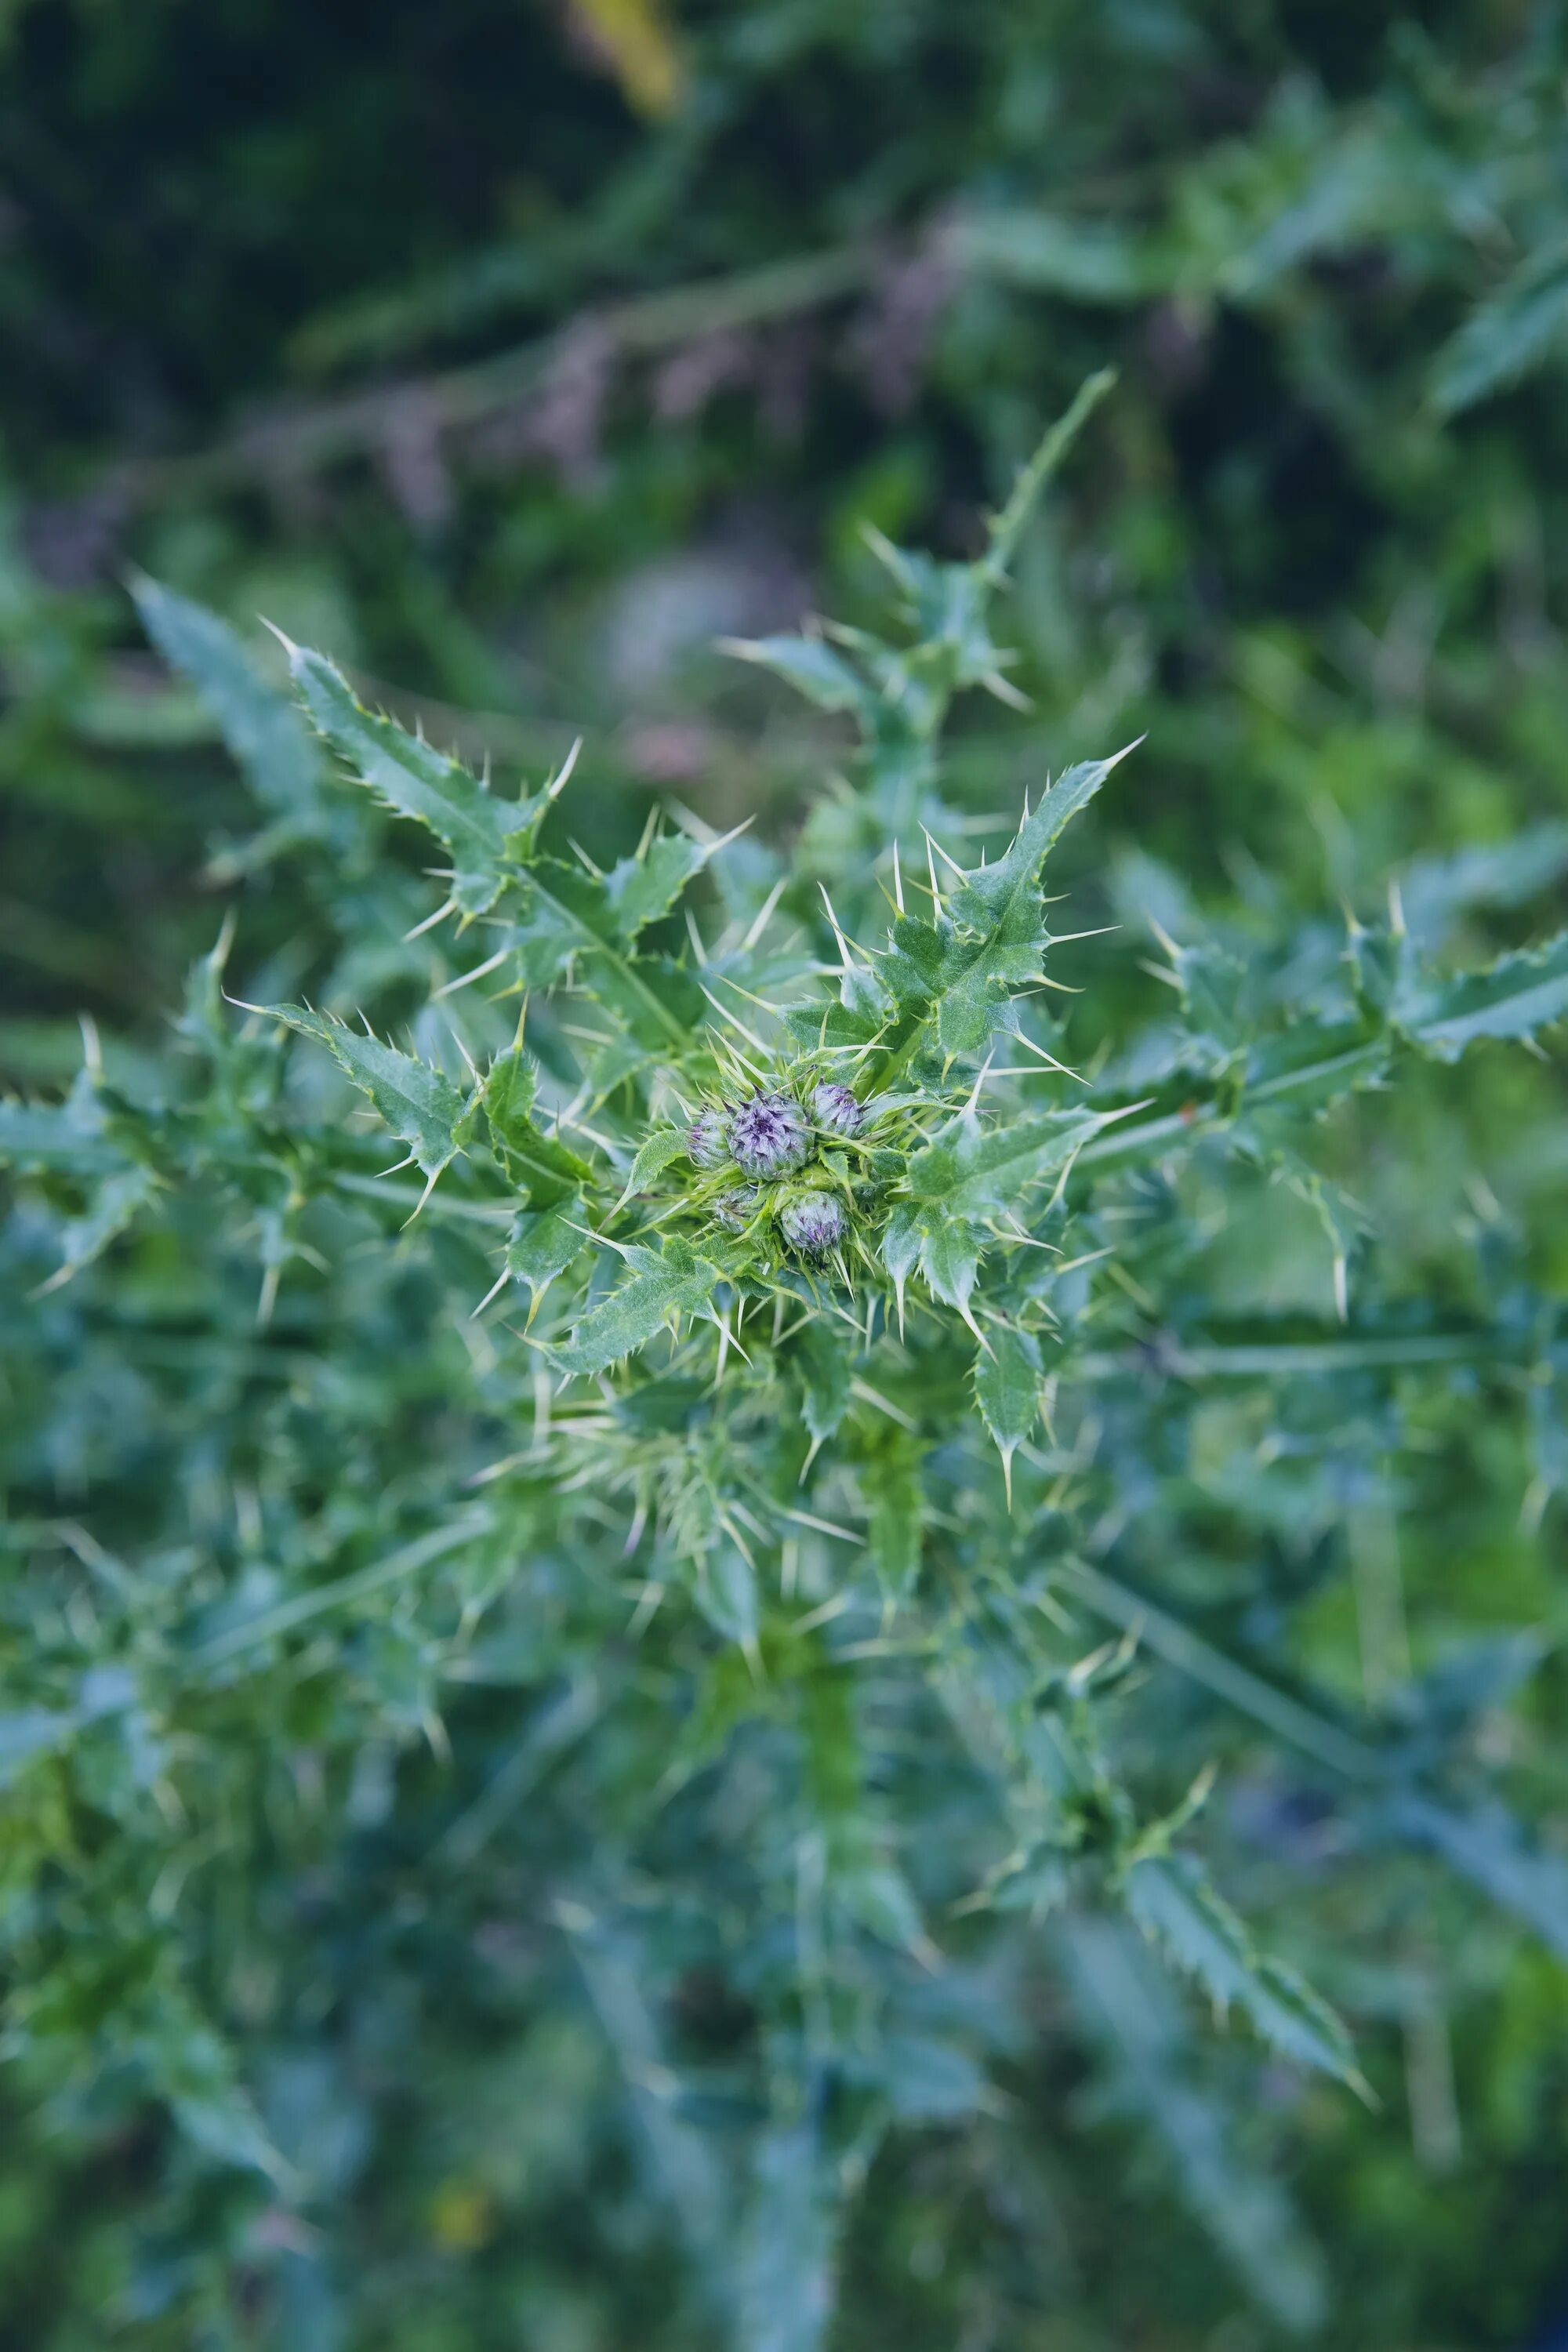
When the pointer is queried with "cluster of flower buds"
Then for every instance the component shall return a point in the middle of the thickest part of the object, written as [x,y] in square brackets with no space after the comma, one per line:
[770,1137]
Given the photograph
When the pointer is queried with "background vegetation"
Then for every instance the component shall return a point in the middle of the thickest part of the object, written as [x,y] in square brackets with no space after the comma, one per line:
[514,354]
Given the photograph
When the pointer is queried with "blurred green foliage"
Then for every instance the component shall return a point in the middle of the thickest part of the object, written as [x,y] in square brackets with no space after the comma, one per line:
[514,353]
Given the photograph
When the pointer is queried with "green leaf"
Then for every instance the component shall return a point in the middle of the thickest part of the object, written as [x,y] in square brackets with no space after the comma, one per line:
[682,2163]
[571,915]
[876,1896]
[923,1234]
[418,1103]
[975,1169]
[543,1167]
[726,1590]
[900,1245]
[542,938]
[1514,331]
[1087,260]
[786,2291]
[890,1483]
[196,2072]
[822,1359]
[220,2120]
[664,1145]
[114,1203]
[928,2081]
[261,726]
[69,1138]
[1200,1934]
[480,832]
[811,668]
[641,888]
[1487,1847]
[950,1258]
[1008,1388]
[542,1244]
[953,976]
[1128,2006]
[1434,889]
[1513,998]
[815,1025]
[1214,999]
[30,1732]
[664,1285]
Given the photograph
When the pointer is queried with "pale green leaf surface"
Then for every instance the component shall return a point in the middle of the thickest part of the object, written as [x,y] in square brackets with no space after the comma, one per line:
[261,726]
[418,1103]
[663,1284]
[478,831]
[1007,1387]
[1511,998]
[1202,1935]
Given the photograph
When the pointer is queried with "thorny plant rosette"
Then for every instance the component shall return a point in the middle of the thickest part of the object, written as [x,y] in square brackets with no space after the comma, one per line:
[797,1354]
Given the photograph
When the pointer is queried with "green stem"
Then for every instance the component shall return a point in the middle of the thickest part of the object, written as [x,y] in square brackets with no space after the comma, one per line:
[1242,1689]
[1138,1138]
[1032,479]
[405,1561]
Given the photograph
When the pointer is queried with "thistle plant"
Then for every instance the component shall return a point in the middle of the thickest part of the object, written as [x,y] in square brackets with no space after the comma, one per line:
[785,1378]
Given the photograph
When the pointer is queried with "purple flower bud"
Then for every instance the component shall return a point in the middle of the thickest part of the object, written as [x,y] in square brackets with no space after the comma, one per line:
[768,1136]
[735,1210]
[835,1109]
[708,1136]
[813,1223]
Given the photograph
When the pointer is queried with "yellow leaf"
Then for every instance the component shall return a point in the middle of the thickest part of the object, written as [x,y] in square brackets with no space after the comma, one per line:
[634,39]
[462,2217]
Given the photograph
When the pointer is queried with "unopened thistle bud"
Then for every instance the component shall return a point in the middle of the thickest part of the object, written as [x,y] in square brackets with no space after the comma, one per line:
[768,1136]
[835,1109]
[812,1223]
[735,1210]
[708,1136]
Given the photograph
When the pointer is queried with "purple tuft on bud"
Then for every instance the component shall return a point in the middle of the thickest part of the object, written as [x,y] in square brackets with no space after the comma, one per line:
[735,1210]
[708,1136]
[835,1109]
[813,1223]
[768,1136]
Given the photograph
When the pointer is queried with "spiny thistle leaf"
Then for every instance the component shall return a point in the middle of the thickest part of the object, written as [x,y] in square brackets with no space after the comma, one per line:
[542,1244]
[1118,1991]
[726,1593]
[480,831]
[822,1361]
[973,1170]
[1007,1375]
[642,888]
[786,2286]
[262,727]
[1487,1845]
[811,668]
[1517,329]
[1514,997]
[891,1480]
[72,1137]
[664,1285]
[540,1164]
[951,977]
[660,1151]
[114,1204]
[418,1103]
[1200,1934]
